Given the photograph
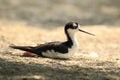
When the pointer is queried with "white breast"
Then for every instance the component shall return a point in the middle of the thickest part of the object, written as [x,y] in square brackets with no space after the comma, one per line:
[70,53]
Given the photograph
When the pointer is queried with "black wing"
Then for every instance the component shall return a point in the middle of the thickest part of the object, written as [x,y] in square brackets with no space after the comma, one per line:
[56,46]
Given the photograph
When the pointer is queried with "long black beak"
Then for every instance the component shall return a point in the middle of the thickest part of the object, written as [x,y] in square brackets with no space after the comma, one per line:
[86,32]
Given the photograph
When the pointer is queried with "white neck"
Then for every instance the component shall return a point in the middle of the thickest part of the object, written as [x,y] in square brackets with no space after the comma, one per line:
[72,34]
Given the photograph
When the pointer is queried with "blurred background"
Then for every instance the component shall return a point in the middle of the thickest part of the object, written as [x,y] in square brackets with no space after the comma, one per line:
[59,12]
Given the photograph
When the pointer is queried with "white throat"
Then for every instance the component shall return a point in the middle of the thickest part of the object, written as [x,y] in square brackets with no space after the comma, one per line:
[72,34]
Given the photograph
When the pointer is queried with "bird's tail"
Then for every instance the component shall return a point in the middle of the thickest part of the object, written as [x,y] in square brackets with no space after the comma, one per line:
[24,48]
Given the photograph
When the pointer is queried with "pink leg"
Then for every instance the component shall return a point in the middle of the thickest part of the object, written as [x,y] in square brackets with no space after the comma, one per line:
[29,54]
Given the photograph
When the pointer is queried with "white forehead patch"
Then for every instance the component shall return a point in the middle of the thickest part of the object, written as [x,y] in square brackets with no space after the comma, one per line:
[78,26]
[74,24]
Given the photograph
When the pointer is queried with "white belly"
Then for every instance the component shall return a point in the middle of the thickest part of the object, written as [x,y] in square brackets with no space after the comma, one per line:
[53,54]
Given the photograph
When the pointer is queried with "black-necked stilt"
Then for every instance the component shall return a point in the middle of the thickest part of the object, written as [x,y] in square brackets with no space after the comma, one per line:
[57,49]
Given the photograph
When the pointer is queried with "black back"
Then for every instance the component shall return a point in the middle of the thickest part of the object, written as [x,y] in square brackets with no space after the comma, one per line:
[56,46]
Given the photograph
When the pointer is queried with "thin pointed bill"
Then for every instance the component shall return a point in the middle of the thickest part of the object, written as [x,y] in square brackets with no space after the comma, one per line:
[86,32]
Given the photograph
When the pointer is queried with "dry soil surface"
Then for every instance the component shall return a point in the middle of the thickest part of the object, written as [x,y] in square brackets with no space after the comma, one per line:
[97,58]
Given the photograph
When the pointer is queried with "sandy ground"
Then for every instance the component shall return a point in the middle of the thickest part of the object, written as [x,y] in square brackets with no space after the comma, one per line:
[97,57]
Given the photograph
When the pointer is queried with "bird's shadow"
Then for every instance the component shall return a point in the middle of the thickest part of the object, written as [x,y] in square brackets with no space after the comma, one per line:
[47,57]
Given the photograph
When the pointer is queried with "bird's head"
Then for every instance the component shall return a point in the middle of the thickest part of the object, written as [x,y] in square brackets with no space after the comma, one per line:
[73,27]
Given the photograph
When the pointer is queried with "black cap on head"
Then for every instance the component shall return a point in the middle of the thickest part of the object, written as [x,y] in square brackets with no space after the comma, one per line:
[71,25]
